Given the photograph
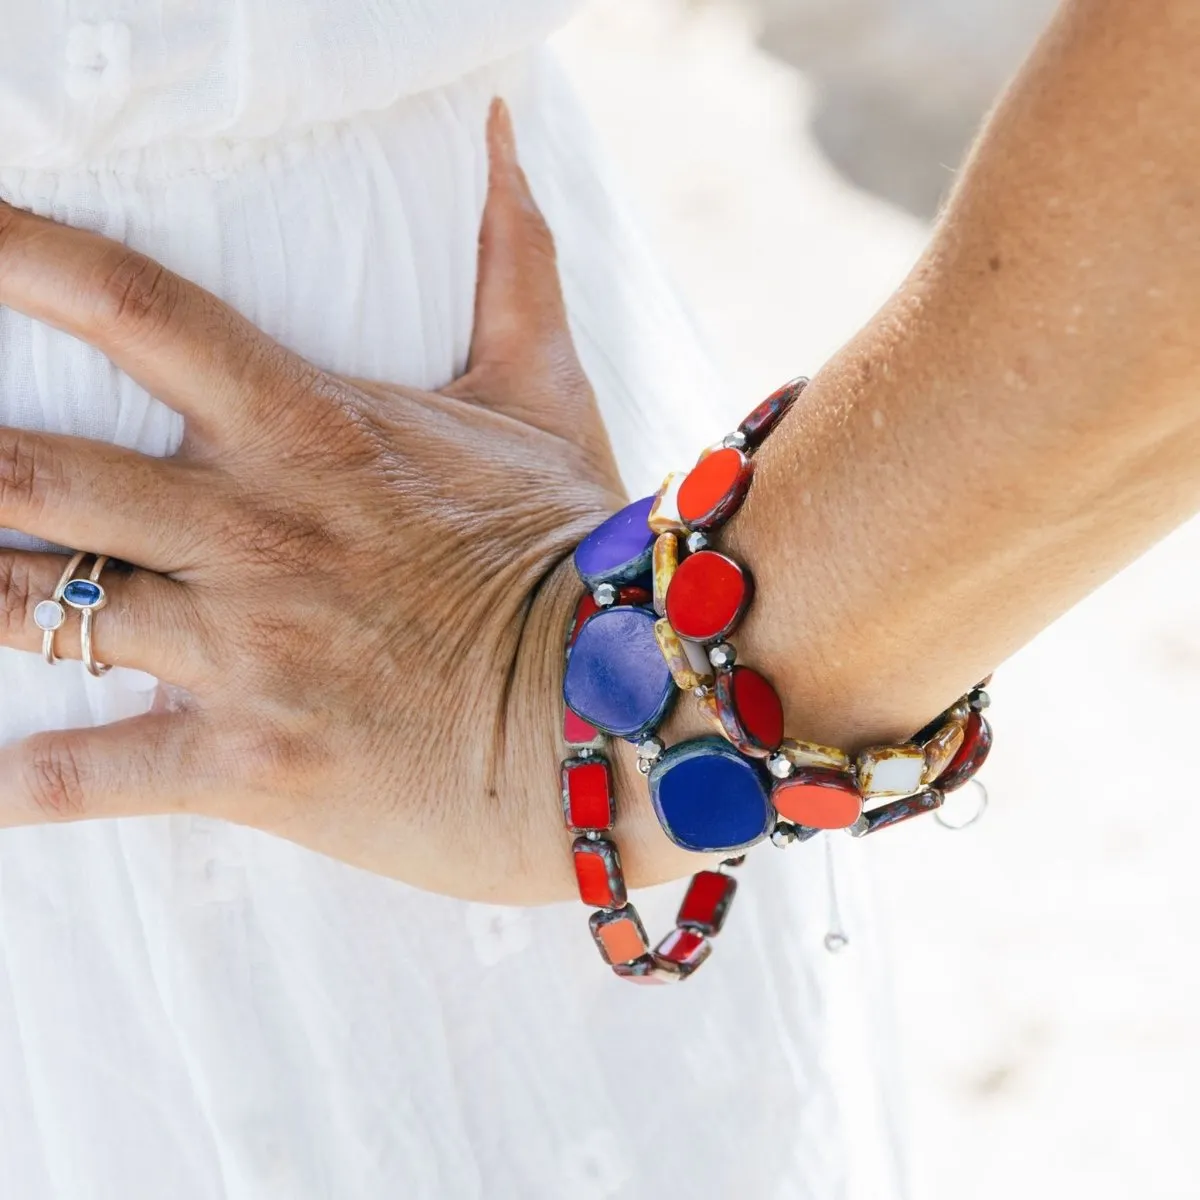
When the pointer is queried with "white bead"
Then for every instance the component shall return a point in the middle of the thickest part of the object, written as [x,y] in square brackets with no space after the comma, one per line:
[49,615]
[891,770]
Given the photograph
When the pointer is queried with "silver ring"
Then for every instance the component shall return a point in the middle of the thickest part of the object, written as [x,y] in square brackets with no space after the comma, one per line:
[957,823]
[49,615]
[89,597]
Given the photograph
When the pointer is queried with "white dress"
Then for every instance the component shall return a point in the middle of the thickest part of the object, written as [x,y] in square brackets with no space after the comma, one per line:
[195,1011]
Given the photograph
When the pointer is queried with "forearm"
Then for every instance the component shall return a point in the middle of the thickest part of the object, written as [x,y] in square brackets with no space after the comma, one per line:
[1022,419]
[1018,423]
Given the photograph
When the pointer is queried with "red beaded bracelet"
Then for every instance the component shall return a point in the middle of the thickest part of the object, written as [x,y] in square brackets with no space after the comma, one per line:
[655,622]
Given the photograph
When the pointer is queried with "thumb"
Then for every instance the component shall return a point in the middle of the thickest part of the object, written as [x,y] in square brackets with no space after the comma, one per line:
[523,361]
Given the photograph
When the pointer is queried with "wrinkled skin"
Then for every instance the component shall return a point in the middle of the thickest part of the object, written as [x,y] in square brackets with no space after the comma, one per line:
[362,588]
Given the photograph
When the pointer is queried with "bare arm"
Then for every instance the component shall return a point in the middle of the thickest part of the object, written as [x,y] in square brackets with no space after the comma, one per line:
[1019,422]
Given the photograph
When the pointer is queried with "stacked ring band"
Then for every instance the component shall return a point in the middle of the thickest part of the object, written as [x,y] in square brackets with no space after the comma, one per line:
[661,606]
[86,596]
[50,614]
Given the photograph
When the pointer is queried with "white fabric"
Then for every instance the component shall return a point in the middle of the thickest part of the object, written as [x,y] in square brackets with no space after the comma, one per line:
[196,1011]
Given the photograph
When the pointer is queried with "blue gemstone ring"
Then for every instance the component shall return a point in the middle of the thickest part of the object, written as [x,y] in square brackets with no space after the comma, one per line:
[86,596]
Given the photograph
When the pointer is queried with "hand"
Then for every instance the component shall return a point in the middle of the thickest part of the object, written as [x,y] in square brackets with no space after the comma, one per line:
[362,588]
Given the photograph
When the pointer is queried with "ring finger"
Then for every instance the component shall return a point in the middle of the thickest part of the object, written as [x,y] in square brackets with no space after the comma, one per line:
[148,621]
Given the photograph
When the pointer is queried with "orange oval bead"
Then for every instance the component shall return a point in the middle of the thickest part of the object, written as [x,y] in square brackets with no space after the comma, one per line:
[818,799]
[715,488]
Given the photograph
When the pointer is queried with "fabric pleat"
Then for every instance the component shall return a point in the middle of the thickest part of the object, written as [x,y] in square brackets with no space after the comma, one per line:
[198,1011]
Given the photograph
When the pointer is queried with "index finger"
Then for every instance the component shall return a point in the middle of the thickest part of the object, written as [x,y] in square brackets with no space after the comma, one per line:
[178,341]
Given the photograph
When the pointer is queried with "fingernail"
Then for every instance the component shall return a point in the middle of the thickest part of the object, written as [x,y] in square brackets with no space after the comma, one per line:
[503,126]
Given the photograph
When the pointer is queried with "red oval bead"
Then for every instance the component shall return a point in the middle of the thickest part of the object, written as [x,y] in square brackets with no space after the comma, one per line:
[972,754]
[707,596]
[634,595]
[714,488]
[759,424]
[750,710]
[818,799]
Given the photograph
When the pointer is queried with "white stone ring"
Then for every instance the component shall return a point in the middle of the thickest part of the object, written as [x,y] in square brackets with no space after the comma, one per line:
[86,596]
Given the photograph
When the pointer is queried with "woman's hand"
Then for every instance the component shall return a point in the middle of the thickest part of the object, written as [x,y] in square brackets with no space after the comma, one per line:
[361,588]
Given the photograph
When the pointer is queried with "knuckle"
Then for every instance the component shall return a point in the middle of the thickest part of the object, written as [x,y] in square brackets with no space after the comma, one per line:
[136,296]
[29,472]
[15,595]
[55,778]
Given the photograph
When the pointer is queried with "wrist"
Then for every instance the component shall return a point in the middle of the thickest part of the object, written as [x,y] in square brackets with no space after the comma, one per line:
[533,748]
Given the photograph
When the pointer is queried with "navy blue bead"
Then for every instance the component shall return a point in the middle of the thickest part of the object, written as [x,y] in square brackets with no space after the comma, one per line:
[616,677]
[709,797]
[83,593]
[620,549]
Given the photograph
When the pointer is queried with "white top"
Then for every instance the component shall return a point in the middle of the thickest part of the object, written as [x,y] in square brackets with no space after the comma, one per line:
[194,1010]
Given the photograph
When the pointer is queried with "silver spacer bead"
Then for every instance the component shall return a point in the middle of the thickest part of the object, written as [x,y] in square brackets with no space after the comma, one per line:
[783,835]
[592,835]
[780,766]
[723,654]
[859,828]
[980,700]
[697,541]
[605,595]
[650,749]
[703,691]
[734,441]
[584,752]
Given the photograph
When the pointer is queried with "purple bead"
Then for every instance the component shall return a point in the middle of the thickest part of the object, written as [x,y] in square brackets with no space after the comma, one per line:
[617,678]
[620,549]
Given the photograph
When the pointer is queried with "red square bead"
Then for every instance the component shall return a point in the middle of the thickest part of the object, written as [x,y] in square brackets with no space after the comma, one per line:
[587,794]
[598,872]
[578,733]
[646,970]
[587,607]
[707,902]
[683,949]
[619,934]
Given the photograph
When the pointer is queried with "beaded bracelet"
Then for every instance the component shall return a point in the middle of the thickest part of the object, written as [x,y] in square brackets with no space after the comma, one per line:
[655,622]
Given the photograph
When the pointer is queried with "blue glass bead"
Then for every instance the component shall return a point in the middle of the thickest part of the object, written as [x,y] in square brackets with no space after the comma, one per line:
[616,677]
[620,549]
[709,798]
[83,593]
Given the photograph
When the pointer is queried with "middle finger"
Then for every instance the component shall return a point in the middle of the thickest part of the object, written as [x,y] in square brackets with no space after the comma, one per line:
[104,499]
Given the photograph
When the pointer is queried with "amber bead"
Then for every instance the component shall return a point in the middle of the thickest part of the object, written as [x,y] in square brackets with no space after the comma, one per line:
[683,671]
[972,754]
[666,560]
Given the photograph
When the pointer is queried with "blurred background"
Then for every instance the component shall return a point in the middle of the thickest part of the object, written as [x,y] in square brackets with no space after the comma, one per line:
[787,156]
